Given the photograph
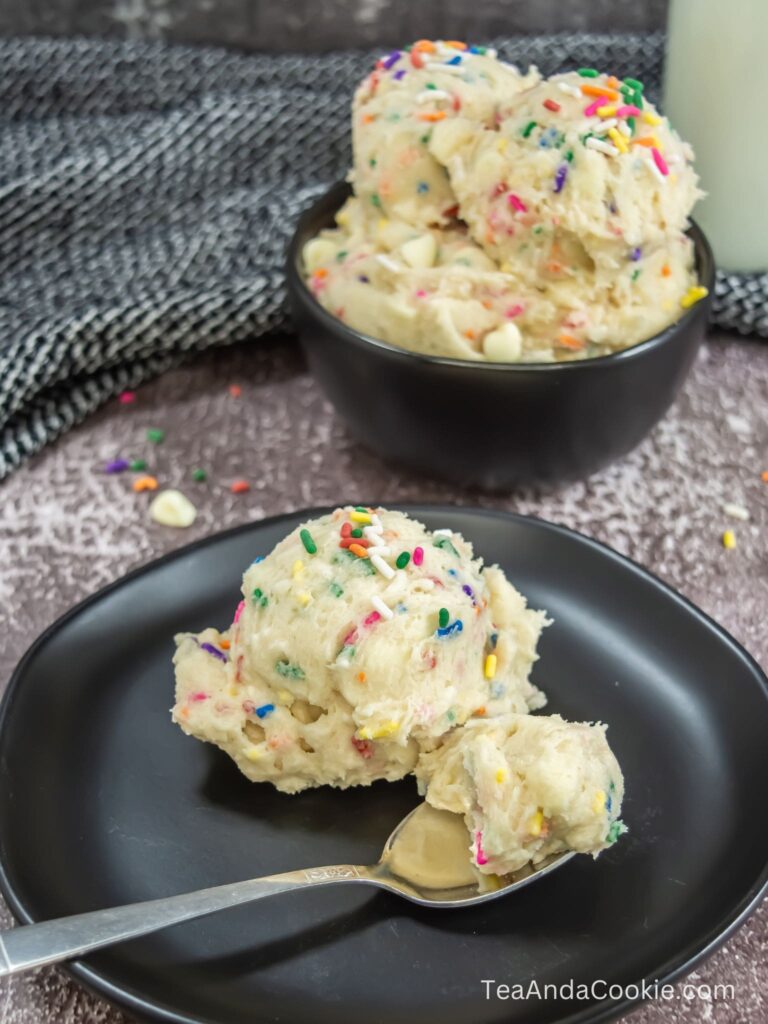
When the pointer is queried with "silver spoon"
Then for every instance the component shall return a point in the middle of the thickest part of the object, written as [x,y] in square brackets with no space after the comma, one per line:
[425,860]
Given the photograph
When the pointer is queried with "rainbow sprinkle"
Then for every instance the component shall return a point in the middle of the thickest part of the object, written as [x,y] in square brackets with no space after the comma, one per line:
[694,294]
[145,483]
[517,203]
[452,630]
[306,539]
[210,649]
[660,162]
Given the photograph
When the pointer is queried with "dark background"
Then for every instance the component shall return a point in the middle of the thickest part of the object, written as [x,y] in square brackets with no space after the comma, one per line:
[322,24]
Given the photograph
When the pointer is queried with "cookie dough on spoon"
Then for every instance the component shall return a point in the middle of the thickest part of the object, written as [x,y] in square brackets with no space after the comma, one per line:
[528,786]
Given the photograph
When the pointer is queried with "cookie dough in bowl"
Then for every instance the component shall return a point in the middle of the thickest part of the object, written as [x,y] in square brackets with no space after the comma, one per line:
[506,219]
[361,639]
[398,105]
[439,293]
[582,171]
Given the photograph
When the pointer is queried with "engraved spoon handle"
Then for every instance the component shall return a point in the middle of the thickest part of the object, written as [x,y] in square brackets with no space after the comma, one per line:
[33,945]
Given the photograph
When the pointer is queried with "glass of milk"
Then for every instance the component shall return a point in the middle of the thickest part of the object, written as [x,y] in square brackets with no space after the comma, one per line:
[716,96]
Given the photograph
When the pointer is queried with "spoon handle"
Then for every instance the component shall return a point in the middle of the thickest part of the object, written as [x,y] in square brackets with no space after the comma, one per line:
[33,945]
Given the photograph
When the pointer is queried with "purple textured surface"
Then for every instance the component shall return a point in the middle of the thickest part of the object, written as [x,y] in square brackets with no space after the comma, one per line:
[67,528]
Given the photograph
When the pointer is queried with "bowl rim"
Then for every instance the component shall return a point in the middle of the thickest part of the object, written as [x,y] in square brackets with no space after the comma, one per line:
[703,256]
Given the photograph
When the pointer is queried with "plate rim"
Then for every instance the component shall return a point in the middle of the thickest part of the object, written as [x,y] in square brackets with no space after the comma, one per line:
[670,971]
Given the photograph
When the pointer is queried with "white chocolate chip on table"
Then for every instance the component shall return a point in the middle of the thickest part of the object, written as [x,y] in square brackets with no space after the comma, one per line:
[172,508]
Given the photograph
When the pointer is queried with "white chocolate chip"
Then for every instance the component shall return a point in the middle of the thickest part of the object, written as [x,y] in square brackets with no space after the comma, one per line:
[318,253]
[420,252]
[172,508]
[504,345]
[450,136]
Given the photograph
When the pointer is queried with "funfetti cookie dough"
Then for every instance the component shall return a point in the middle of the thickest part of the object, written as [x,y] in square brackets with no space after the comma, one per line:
[395,108]
[582,173]
[528,786]
[439,293]
[535,221]
[361,638]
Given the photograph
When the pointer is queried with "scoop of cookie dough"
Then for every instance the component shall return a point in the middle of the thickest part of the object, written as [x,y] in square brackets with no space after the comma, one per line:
[397,106]
[528,786]
[581,173]
[361,638]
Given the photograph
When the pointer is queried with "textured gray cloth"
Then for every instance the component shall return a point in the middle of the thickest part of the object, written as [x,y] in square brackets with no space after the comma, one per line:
[147,194]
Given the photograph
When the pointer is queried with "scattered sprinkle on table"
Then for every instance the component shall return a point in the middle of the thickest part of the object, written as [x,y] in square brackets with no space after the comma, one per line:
[199,475]
[126,397]
[117,466]
[764,477]
[138,465]
[172,508]
[155,435]
[145,483]
[240,487]
[729,540]
[235,390]
[736,511]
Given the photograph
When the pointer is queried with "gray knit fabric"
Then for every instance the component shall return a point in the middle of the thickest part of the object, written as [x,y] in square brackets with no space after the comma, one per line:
[147,194]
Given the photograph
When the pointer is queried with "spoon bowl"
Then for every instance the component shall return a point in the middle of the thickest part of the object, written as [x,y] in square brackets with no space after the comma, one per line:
[438,872]
[425,860]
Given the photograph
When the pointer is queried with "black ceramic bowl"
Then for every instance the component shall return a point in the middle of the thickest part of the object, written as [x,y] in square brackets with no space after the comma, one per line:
[491,424]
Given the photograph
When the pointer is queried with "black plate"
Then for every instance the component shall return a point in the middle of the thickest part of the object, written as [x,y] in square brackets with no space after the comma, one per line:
[104,801]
